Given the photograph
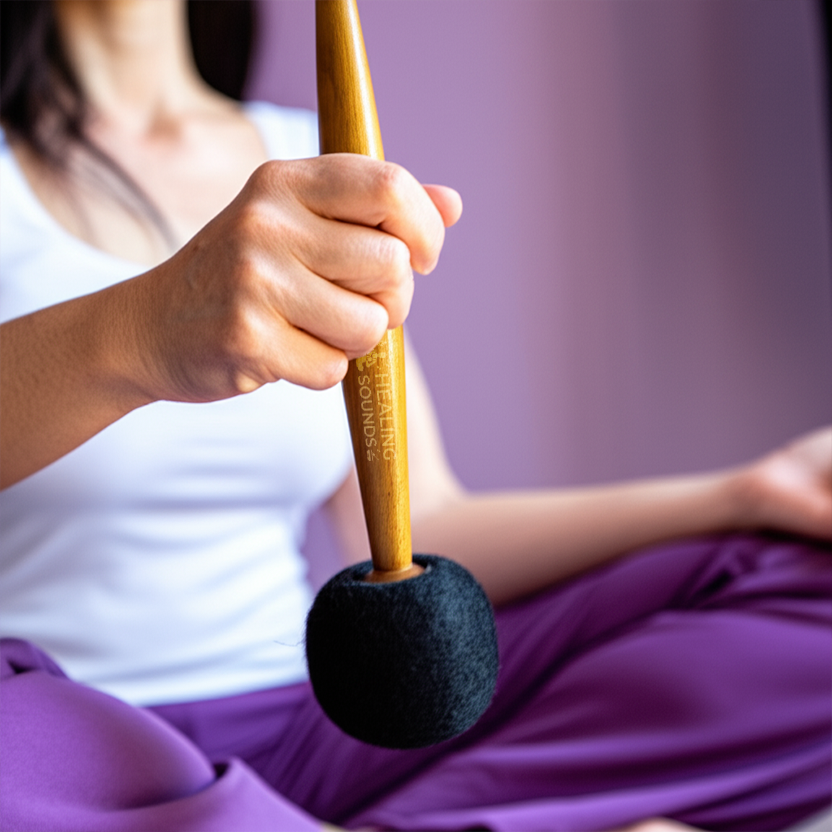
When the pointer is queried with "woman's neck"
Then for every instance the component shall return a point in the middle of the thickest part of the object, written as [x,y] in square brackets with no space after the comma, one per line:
[132,59]
[188,148]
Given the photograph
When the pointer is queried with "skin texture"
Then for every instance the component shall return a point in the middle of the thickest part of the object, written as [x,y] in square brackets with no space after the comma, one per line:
[285,270]
[303,268]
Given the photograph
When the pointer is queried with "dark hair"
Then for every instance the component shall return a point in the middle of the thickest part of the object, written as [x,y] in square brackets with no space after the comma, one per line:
[42,104]
[222,35]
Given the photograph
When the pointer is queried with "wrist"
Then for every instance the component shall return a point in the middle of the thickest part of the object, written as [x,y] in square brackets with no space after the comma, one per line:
[739,501]
[117,345]
[706,503]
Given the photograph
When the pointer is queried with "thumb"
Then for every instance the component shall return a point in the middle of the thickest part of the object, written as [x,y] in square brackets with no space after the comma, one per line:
[447,201]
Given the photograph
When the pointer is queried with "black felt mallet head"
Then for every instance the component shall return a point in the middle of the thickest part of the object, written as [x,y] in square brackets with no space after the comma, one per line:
[402,652]
[405,664]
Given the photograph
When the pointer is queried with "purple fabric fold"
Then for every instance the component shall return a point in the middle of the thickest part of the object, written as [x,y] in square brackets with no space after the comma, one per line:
[692,681]
[72,758]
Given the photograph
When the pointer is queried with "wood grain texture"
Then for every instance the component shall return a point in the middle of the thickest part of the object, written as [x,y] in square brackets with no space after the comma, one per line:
[374,388]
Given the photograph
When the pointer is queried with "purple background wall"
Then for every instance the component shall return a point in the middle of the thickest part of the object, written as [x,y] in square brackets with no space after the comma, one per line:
[640,283]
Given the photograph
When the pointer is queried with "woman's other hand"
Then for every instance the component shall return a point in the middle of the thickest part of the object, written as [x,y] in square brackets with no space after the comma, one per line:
[790,489]
[306,269]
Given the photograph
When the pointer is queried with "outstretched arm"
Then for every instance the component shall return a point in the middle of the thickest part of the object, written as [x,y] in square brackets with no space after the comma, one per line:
[519,542]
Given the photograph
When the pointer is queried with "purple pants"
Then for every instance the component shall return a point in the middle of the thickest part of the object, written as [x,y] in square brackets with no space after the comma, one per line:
[691,681]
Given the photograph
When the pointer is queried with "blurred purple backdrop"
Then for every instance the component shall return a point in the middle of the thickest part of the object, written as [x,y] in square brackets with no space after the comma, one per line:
[640,283]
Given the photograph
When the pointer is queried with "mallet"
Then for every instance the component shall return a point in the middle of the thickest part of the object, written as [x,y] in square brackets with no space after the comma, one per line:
[402,651]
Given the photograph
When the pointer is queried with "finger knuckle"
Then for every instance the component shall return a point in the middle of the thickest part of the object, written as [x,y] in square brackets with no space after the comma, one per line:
[237,339]
[270,175]
[399,258]
[330,372]
[391,183]
[261,181]
[393,255]
[251,225]
[434,241]
[399,309]
[370,328]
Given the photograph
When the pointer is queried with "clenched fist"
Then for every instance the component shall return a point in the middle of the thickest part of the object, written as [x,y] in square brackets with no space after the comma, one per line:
[304,270]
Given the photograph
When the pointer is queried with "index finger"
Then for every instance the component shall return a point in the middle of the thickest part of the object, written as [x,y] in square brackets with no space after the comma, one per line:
[365,191]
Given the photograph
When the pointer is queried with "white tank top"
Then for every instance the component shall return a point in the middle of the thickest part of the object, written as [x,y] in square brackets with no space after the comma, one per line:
[160,561]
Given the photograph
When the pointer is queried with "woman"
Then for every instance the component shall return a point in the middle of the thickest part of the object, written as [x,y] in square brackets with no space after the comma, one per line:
[152,260]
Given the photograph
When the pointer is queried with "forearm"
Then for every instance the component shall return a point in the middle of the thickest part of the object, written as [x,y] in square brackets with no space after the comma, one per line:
[517,543]
[62,379]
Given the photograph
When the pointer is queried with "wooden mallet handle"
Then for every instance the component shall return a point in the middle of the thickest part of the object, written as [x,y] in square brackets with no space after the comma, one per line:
[374,387]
